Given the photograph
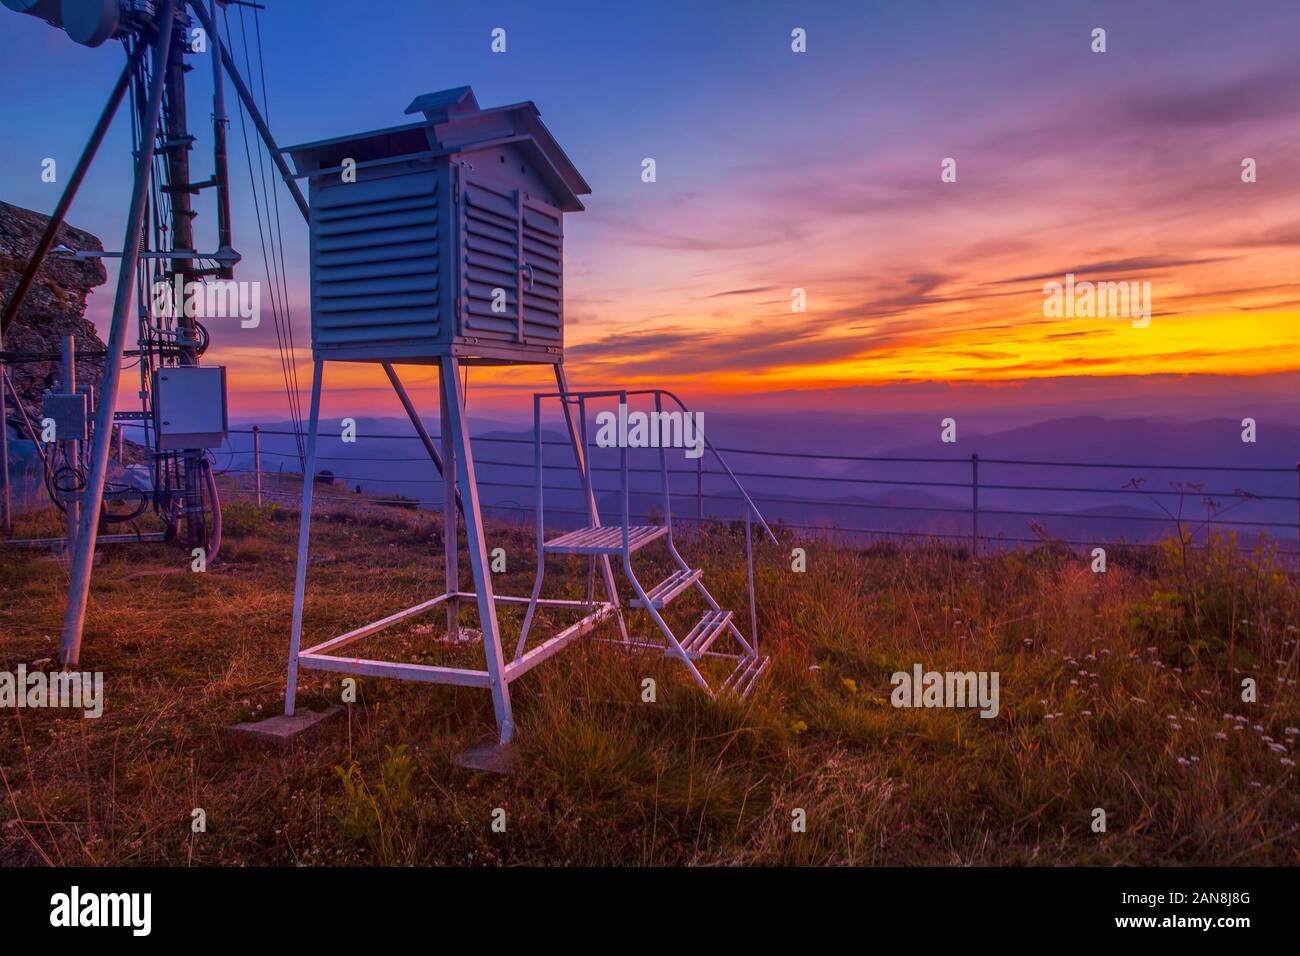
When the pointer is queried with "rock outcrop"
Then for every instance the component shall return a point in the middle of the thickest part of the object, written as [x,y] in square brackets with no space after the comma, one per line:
[55,305]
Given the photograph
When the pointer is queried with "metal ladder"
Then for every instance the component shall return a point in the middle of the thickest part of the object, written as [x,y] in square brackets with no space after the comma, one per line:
[715,636]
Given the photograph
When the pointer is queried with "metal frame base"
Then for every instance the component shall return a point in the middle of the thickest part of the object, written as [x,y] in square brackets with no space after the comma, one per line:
[460,494]
[315,658]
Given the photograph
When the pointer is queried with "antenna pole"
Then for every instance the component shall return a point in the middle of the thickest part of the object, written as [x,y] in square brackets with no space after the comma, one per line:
[254,114]
[74,617]
[220,166]
[176,145]
[176,142]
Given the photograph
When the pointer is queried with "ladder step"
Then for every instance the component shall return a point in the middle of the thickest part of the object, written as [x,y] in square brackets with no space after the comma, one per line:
[742,680]
[711,626]
[606,539]
[669,588]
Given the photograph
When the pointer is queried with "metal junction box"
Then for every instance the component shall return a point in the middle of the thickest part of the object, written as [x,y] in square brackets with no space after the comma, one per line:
[189,406]
[441,237]
[71,414]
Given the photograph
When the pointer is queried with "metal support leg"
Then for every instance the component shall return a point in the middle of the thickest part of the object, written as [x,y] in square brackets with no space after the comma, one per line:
[414,416]
[539,518]
[304,536]
[449,531]
[477,548]
[74,617]
[749,558]
[580,456]
[582,439]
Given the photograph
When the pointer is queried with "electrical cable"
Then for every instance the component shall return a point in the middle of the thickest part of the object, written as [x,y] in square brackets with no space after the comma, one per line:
[295,398]
[265,238]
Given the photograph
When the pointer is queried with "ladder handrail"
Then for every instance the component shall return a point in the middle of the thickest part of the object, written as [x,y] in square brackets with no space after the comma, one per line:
[727,468]
[622,394]
[749,648]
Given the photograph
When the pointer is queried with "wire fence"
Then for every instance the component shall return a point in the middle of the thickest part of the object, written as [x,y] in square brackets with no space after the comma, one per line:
[982,502]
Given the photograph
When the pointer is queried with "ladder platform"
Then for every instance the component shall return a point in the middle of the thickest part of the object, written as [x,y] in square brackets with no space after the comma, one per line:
[606,539]
[669,588]
[710,627]
[742,680]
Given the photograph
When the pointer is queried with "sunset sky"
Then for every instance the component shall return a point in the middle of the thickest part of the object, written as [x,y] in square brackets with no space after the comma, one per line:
[818,171]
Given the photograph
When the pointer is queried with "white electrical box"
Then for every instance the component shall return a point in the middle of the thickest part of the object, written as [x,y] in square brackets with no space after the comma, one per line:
[189,406]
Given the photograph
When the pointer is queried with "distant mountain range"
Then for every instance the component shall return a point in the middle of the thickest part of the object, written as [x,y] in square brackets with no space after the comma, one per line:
[1148,472]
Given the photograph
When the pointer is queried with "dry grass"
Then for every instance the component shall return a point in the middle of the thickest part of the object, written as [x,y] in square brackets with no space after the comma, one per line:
[1118,690]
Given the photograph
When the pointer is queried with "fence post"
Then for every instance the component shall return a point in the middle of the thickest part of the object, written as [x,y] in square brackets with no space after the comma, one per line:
[975,505]
[699,491]
[72,448]
[5,503]
[749,558]
[257,461]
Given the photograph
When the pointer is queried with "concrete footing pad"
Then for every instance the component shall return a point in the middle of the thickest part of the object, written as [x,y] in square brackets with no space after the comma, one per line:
[488,756]
[283,730]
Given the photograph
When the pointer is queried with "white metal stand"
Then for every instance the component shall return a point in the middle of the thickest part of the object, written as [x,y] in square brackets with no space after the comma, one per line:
[456,463]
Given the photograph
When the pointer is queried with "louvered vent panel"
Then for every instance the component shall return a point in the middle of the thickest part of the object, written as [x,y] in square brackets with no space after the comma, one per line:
[375,260]
[544,294]
[491,261]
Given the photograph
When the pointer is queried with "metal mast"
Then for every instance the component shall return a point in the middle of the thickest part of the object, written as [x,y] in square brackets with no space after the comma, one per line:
[160,213]
[74,617]
[176,143]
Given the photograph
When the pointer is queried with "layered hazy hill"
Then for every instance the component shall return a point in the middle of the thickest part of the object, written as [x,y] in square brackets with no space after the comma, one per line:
[1074,500]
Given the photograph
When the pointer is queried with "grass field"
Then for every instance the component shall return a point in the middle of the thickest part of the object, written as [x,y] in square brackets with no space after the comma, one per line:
[1120,691]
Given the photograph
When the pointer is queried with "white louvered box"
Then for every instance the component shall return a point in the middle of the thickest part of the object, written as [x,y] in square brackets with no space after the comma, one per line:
[440,237]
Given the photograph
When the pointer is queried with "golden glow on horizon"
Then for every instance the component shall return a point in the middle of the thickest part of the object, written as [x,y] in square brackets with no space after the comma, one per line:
[1261,343]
